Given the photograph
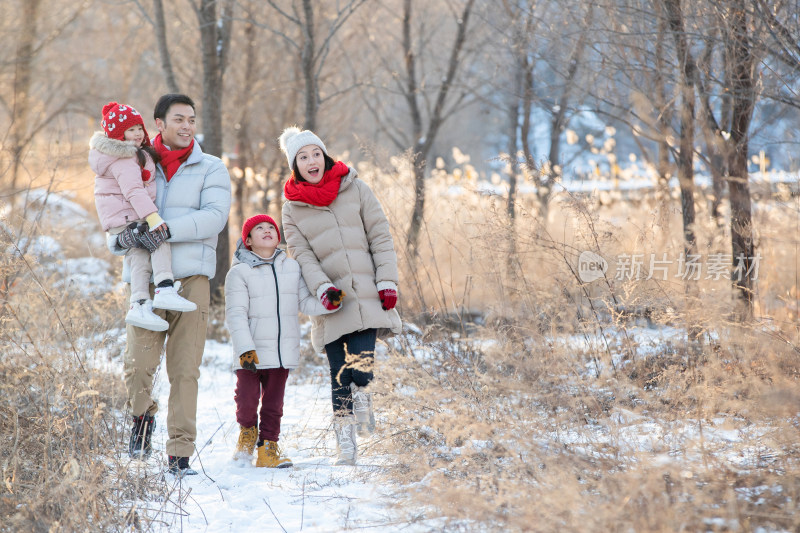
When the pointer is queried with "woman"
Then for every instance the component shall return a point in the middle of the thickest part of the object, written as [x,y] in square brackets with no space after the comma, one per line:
[336,229]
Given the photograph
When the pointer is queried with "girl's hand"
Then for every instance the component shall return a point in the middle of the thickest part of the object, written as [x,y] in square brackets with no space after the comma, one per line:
[162,227]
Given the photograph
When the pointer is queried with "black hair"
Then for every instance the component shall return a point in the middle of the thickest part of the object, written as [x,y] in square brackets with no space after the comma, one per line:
[150,150]
[329,162]
[166,101]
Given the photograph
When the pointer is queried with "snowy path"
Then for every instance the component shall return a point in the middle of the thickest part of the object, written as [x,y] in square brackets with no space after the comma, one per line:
[313,496]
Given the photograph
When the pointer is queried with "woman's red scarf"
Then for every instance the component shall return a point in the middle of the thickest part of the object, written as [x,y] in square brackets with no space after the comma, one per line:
[320,194]
[171,160]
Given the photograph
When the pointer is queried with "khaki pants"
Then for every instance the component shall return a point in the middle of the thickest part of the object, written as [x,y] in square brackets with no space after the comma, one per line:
[186,339]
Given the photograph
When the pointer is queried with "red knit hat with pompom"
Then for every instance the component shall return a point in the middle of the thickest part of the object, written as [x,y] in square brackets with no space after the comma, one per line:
[254,221]
[119,117]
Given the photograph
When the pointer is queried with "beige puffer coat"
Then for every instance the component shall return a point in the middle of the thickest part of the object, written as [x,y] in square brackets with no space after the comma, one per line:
[262,298]
[347,244]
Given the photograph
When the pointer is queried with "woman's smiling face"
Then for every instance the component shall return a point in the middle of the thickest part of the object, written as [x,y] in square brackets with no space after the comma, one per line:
[310,161]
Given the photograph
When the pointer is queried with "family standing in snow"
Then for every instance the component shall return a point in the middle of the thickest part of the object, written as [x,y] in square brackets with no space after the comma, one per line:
[163,206]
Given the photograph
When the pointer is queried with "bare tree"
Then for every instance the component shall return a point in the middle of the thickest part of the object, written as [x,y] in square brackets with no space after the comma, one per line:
[740,51]
[423,134]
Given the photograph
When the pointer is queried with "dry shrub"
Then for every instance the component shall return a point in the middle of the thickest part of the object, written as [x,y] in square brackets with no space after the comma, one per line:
[526,400]
[61,393]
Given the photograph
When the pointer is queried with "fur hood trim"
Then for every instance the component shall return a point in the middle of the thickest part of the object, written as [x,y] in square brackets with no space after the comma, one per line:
[112,147]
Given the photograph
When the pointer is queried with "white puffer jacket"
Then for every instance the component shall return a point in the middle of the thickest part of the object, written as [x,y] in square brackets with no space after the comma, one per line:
[262,299]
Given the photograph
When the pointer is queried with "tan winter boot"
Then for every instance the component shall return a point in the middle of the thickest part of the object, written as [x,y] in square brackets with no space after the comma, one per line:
[246,443]
[362,408]
[269,455]
[346,449]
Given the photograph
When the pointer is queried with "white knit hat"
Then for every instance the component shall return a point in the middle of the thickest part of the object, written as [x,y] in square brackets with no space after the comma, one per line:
[292,139]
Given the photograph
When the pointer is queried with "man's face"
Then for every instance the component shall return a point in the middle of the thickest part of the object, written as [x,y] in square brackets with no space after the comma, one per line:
[178,126]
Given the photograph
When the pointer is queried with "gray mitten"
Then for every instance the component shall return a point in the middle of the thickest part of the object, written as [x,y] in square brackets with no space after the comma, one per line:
[152,239]
[129,238]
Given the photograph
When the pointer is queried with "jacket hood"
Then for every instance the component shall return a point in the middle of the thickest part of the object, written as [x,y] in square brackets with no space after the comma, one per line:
[112,147]
[248,257]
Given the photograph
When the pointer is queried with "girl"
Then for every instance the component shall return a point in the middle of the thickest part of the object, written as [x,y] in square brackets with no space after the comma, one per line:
[124,161]
[337,231]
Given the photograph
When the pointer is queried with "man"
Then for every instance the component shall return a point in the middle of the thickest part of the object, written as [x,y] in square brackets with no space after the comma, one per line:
[194,198]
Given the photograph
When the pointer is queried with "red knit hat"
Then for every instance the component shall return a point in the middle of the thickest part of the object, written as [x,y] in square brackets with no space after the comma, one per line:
[254,221]
[119,117]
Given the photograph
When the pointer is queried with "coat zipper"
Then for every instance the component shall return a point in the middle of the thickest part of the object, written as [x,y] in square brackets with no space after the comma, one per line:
[278,304]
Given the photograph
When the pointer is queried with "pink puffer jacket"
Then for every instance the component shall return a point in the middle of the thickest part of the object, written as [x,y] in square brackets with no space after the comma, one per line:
[120,195]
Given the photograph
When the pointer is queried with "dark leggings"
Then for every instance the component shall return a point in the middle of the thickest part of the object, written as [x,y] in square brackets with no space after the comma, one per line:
[351,358]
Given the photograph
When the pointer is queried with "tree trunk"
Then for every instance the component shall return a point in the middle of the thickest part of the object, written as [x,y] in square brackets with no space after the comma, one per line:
[22,87]
[163,49]
[685,157]
[743,91]
[213,42]
[307,59]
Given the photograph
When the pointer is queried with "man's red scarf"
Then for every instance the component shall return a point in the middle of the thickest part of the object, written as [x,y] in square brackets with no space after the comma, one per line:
[321,194]
[171,160]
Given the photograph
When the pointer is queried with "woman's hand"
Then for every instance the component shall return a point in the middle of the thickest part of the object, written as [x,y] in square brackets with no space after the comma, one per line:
[388,298]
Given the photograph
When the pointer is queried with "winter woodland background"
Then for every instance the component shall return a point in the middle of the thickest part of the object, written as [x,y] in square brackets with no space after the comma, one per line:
[504,138]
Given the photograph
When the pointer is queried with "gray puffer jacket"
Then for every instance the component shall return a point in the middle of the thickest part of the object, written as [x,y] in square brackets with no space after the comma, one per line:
[262,299]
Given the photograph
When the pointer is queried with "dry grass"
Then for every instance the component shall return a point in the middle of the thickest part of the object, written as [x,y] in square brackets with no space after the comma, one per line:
[531,402]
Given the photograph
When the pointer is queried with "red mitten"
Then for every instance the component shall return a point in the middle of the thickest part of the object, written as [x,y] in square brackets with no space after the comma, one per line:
[388,298]
[332,298]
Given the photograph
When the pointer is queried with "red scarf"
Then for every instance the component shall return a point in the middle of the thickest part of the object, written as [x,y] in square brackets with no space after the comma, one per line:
[171,160]
[320,194]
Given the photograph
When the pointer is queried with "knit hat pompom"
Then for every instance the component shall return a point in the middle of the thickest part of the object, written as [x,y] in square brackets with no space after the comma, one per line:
[254,221]
[292,140]
[117,118]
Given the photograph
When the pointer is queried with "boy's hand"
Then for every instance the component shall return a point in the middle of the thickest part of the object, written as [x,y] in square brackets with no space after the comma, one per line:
[249,360]
[332,298]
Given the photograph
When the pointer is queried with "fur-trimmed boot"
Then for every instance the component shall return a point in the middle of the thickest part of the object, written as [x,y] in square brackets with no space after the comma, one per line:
[346,449]
[269,455]
[362,408]
[246,444]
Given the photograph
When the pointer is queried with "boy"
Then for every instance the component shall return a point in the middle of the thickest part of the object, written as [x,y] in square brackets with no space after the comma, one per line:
[264,287]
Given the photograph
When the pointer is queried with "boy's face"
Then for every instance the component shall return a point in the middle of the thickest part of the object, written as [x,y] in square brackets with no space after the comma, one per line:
[178,126]
[263,236]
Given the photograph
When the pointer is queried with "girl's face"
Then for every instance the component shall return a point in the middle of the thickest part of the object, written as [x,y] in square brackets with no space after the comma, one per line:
[311,163]
[263,236]
[135,134]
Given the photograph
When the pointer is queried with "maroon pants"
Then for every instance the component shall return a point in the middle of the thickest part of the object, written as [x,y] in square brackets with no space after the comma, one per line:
[269,384]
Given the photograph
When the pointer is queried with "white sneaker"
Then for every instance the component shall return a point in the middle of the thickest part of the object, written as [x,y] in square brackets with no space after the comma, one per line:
[141,315]
[169,299]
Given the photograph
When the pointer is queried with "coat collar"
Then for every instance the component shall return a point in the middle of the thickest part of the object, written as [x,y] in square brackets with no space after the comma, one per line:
[248,257]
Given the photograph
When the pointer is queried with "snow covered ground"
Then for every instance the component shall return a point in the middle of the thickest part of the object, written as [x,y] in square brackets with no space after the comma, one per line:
[227,495]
